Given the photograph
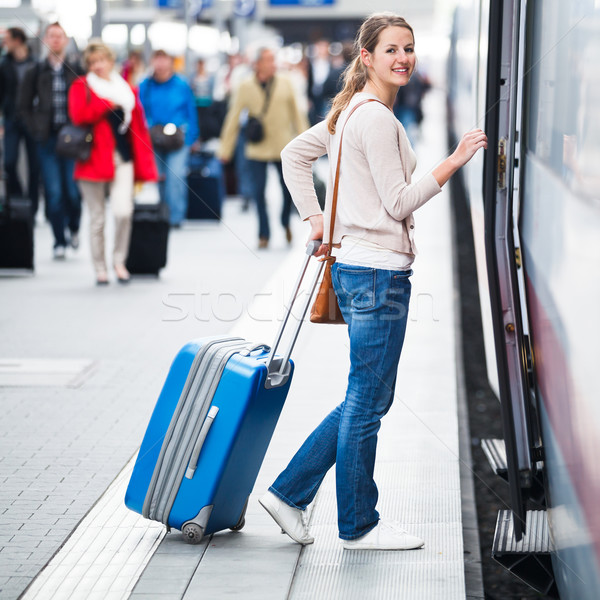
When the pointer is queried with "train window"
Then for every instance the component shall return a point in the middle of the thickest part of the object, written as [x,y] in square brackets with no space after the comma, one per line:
[564,90]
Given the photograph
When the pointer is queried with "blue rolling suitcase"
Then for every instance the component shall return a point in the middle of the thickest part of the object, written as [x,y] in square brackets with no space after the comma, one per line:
[210,430]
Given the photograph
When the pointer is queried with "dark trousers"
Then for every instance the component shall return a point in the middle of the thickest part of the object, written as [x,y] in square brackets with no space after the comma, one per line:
[61,191]
[14,132]
[258,173]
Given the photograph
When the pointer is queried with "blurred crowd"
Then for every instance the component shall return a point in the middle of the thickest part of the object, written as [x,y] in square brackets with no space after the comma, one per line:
[133,124]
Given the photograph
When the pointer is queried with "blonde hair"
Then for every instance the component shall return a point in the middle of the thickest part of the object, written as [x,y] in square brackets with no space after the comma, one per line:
[97,46]
[355,76]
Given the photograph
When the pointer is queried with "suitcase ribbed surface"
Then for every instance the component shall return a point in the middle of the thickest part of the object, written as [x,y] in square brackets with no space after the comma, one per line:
[187,420]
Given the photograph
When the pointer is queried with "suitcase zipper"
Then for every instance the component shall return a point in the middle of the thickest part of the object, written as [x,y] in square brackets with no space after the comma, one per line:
[181,458]
[191,378]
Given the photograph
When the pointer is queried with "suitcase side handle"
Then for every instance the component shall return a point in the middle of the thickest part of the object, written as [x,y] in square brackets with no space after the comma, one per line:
[254,348]
[210,418]
[278,371]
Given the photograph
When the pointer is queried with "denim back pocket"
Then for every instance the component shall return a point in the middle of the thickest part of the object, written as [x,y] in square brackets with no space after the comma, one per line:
[395,300]
[358,286]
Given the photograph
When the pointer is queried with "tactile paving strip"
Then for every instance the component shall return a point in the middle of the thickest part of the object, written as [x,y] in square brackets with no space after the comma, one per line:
[106,553]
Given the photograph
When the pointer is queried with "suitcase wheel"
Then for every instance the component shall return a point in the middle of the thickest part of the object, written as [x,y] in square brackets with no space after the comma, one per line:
[240,524]
[242,520]
[192,533]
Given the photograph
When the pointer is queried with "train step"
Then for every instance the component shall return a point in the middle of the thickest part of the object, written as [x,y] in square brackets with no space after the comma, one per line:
[529,559]
[495,452]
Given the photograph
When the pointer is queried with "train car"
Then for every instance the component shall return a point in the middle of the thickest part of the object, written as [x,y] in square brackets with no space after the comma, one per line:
[528,72]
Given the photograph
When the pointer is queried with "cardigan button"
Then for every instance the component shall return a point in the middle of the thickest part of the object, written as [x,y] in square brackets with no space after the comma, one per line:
[412,226]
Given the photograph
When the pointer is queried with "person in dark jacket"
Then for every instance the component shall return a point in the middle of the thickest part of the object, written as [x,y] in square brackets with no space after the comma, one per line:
[42,106]
[13,67]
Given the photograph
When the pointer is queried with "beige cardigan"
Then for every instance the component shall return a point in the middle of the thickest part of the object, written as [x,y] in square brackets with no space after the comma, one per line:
[376,197]
[283,119]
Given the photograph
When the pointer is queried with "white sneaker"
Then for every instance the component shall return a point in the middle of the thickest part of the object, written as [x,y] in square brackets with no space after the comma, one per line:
[59,253]
[385,536]
[291,520]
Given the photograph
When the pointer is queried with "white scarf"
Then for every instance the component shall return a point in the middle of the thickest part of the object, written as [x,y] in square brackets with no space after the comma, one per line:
[115,89]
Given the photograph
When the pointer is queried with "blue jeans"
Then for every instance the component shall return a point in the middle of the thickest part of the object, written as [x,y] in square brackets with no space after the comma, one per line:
[374,303]
[14,132]
[243,175]
[258,172]
[63,199]
[172,170]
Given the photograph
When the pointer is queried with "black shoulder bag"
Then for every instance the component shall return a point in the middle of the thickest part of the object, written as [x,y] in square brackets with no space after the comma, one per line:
[166,137]
[75,141]
[255,131]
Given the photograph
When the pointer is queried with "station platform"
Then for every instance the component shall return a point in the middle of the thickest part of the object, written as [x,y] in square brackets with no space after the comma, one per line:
[81,368]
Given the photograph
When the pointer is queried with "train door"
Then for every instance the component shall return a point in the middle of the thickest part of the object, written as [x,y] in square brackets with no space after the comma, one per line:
[500,186]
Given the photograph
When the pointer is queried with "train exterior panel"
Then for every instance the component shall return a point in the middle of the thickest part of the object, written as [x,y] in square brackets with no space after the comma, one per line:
[555,160]
[560,233]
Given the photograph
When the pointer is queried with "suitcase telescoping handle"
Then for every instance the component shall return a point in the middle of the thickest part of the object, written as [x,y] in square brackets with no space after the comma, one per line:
[278,370]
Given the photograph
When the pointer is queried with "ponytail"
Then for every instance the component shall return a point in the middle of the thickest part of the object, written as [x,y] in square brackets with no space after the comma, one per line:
[355,78]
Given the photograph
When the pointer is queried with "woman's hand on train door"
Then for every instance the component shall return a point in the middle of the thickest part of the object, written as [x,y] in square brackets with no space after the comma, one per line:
[316,232]
[468,146]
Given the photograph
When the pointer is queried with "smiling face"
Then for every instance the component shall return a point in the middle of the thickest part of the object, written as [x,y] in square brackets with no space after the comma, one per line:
[393,60]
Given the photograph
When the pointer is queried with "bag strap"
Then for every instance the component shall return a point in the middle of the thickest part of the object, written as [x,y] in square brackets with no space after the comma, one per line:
[336,184]
[268,89]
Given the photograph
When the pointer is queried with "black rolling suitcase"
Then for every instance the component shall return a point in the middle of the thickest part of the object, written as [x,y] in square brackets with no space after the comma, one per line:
[16,233]
[206,185]
[149,239]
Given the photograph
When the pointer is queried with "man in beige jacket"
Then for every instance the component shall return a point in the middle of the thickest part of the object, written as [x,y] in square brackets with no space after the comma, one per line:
[270,98]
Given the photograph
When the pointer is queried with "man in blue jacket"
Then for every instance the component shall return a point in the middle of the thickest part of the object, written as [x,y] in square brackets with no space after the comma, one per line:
[169,104]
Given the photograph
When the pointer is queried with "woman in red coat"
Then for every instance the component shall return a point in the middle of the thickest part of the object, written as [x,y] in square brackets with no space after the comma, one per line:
[121,152]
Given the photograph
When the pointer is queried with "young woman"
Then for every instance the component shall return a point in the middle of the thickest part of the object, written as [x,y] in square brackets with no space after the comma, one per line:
[121,153]
[374,241]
